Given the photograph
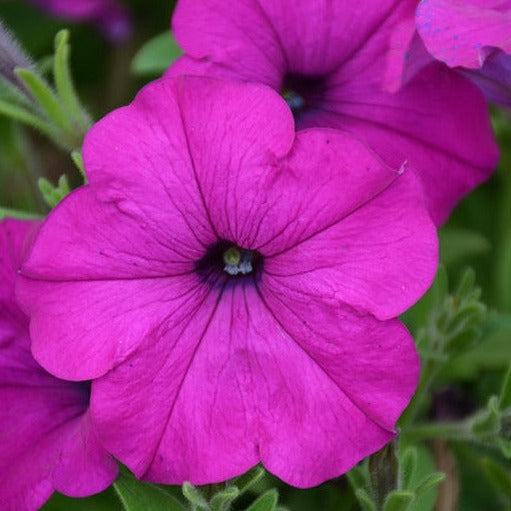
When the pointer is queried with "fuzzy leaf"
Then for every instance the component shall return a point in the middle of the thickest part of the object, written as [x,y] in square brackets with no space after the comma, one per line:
[20,114]
[398,501]
[194,496]
[498,475]
[266,502]
[140,496]
[505,393]
[156,55]
[15,213]
[64,83]
[223,499]
[52,195]
[45,98]
[408,465]
[489,422]
[429,482]
[247,480]
[364,499]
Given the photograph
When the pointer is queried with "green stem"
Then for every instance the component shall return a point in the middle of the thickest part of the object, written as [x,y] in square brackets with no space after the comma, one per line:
[444,430]
[427,378]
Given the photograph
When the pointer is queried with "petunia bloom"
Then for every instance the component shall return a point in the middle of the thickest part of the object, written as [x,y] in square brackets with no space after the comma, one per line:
[224,285]
[46,439]
[329,59]
[473,36]
[109,15]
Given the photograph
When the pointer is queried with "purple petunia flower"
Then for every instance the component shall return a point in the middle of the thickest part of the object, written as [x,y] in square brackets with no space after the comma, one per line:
[232,284]
[329,59]
[45,432]
[109,15]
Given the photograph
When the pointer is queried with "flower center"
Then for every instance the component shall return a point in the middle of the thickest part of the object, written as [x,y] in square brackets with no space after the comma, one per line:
[303,92]
[226,257]
[238,261]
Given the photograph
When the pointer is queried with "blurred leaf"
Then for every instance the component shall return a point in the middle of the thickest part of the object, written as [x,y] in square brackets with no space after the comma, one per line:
[53,194]
[499,476]
[222,500]
[14,213]
[407,467]
[45,98]
[25,116]
[156,55]
[11,93]
[249,479]
[505,393]
[357,477]
[266,502]
[365,500]
[488,423]
[424,468]
[457,244]
[429,482]
[194,496]
[398,501]
[106,501]
[136,495]
[77,158]
[64,82]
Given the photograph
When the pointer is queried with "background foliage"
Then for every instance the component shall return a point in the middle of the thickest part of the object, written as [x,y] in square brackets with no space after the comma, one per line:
[454,431]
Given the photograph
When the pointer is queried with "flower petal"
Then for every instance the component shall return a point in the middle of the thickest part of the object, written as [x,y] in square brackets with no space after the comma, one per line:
[427,123]
[240,385]
[260,40]
[460,32]
[380,258]
[84,467]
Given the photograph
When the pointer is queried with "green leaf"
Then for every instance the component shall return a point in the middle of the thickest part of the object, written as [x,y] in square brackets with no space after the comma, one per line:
[194,495]
[15,213]
[266,502]
[12,93]
[45,98]
[53,194]
[365,500]
[64,82]
[249,479]
[505,447]
[156,55]
[498,475]
[505,393]
[358,477]
[22,115]
[429,482]
[140,496]
[407,467]
[76,156]
[223,499]
[398,501]
[488,423]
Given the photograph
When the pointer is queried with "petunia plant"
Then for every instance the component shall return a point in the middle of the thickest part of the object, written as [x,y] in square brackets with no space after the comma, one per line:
[231,299]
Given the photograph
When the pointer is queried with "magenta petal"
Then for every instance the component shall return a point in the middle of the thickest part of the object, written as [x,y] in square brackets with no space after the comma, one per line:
[380,258]
[39,413]
[341,59]
[236,387]
[451,157]
[118,315]
[84,467]
[460,32]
